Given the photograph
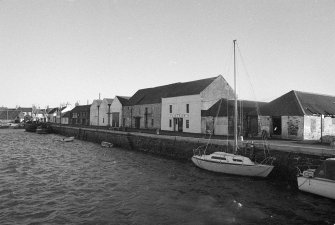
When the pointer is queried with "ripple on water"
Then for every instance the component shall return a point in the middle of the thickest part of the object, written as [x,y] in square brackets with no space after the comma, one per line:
[46,181]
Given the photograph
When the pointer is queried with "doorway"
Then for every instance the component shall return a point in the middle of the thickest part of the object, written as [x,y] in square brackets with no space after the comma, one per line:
[178,124]
[276,125]
[137,122]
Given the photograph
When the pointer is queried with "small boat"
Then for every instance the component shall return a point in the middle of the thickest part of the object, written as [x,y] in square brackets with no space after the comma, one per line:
[228,163]
[68,139]
[232,163]
[106,144]
[320,181]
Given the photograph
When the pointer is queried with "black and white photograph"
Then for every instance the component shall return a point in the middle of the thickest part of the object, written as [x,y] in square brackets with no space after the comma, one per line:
[167,112]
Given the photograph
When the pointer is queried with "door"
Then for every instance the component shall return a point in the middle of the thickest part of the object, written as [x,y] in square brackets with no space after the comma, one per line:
[178,124]
[276,125]
[115,119]
[137,122]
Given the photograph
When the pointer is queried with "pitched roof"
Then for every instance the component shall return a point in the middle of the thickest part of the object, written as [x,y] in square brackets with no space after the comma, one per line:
[66,114]
[123,99]
[223,107]
[80,108]
[155,94]
[297,103]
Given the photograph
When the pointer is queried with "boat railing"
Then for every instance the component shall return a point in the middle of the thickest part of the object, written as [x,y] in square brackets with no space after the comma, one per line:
[200,150]
[268,160]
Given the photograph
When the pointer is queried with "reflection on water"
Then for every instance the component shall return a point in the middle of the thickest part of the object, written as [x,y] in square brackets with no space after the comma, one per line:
[43,180]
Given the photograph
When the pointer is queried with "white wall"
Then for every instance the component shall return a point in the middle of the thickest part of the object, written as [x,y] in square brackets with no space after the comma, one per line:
[117,107]
[218,89]
[94,113]
[179,111]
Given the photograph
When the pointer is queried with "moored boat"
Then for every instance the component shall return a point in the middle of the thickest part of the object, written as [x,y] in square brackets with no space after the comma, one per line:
[232,163]
[68,139]
[223,162]
[320,181]
[106,144]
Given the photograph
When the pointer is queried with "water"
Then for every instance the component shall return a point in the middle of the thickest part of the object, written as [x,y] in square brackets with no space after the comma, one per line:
[45,181]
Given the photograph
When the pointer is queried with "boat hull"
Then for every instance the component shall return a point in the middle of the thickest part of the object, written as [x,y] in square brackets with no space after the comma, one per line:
[318,186]
[256,170]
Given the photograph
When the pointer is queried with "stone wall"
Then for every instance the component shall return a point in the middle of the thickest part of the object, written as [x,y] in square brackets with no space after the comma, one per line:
[181,148]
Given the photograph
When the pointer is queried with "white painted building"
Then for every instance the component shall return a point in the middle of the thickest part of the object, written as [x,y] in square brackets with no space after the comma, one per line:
[95,113]
[182,112]
[116,108]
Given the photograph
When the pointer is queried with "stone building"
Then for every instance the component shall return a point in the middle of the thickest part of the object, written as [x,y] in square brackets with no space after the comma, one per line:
[219,119]
[80,115]
[298,115]
[174,107]
[116,109]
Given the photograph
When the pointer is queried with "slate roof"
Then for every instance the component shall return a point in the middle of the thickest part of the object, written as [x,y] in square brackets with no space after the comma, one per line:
[123,99]
[81,108]
[297,103]
[155,94]
[221,107]
[66,114]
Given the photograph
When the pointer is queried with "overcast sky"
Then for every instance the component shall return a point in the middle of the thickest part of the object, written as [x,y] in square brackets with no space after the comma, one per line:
[56,51]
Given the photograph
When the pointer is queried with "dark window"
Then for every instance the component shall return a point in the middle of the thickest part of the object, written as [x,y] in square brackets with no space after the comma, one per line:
[170,108]
[103,120]
[187,124]
[187,108]
[152,122]
[220,158]
[237,160]
[170,123]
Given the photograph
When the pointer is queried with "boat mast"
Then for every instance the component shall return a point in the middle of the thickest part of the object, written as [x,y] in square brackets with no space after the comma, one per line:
[235,108]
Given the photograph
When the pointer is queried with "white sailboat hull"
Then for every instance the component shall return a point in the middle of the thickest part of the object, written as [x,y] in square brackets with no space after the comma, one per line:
[318,186]
[254,170]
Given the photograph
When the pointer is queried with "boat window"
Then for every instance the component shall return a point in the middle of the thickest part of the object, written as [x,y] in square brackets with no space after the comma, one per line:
[237,160]
[220,158]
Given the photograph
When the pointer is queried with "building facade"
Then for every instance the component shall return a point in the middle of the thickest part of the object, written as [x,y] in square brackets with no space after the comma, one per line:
[183,113]
[116,109]
[299,116]
[80,115]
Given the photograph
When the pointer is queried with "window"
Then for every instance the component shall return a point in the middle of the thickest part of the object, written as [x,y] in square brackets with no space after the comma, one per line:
[170,123]
[170,108]
[103,120]
[187,123]
[237,160]
[219,158]
[187,108]
[152,122]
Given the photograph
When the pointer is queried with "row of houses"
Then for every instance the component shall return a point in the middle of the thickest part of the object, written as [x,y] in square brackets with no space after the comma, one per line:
[207,106]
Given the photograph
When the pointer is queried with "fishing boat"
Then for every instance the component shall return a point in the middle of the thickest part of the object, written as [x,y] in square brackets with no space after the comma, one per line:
[232,163]
[320,181]
[68,139]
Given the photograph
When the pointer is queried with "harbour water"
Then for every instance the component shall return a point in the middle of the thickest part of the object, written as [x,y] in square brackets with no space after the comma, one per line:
[46,181]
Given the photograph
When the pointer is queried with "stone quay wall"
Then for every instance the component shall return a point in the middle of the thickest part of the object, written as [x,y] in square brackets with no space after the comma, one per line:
[287,158]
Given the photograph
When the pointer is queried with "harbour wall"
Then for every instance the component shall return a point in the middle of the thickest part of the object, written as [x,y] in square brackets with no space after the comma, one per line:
[287,157]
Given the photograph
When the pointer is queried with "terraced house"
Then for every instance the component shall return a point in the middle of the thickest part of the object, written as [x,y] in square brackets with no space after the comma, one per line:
[175,107]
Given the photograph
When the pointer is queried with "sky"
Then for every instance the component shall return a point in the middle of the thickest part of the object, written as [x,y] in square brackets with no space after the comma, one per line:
[65,51]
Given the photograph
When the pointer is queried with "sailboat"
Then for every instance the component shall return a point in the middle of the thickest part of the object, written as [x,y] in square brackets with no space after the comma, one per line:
[231,163]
